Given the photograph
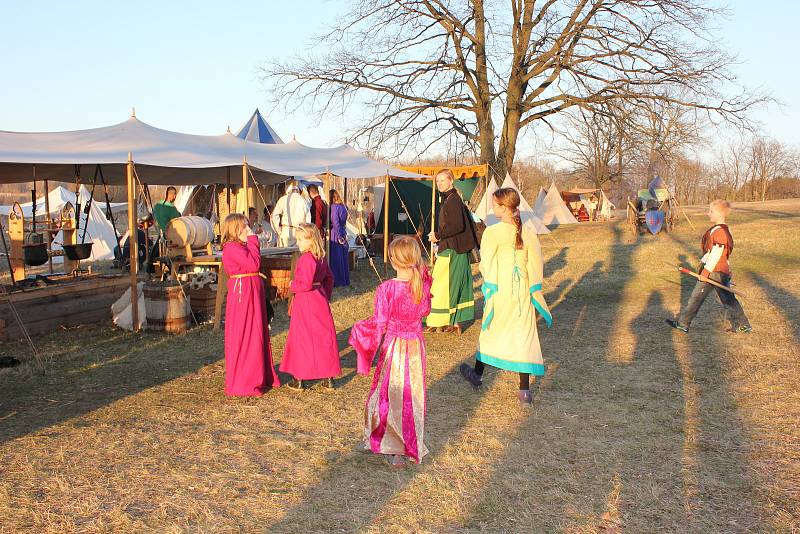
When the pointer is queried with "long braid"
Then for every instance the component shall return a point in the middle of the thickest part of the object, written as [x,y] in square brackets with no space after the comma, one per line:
[518,224]
[509,198]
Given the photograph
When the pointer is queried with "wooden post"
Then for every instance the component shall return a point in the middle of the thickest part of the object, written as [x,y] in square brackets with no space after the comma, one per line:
[245,189]
[228,187]
[48,222]
[386,222]
[433,212]
[133,243]
[326,186]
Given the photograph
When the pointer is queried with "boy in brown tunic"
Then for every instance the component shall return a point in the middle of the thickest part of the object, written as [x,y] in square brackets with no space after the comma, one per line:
[717,245]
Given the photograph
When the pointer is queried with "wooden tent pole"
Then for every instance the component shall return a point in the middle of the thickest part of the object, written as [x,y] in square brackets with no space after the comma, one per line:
[326,185]
[386,223]
[133,242]
[48,221]
[245,189]
[228,187]
[433,213]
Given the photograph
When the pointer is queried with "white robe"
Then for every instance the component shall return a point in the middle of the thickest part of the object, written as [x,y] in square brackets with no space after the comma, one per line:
[290,211]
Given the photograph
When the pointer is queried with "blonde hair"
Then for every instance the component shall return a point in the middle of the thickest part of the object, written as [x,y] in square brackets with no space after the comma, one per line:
[722,206]
[509,198]
[404,253]
[446,172]
[311,232]
[232,226]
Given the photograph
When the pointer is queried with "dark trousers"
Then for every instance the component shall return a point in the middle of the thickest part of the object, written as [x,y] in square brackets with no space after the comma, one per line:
[701,290]
[524,378]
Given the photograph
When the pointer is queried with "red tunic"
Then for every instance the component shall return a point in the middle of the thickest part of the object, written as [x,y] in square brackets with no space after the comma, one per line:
[719,235]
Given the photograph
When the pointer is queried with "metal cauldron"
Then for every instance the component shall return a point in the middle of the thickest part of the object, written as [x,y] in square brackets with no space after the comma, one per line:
[35,254]
[78,252]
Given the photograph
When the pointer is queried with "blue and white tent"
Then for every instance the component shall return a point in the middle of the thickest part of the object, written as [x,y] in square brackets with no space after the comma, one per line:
[256,130]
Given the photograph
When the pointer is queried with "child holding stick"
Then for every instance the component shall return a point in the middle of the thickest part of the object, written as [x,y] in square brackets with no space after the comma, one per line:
[717,246]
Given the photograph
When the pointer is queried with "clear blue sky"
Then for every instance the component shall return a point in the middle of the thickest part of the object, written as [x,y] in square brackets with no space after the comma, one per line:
[193,66]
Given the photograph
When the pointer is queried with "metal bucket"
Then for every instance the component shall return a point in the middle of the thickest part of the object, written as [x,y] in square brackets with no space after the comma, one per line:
[78,252]
[35,254]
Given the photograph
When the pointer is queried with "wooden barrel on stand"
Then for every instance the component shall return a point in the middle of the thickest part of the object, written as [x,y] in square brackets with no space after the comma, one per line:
[167,307]
[278,273]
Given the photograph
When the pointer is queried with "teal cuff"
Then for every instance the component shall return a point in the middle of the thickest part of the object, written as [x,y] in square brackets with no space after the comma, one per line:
[536,369]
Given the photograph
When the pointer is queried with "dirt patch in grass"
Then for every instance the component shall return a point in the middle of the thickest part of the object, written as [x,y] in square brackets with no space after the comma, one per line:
[635,428]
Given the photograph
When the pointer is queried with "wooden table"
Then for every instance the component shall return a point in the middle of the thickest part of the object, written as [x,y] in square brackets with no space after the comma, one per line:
[215,261]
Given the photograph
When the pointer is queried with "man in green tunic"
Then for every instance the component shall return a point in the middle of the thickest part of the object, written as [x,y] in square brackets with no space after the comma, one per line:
[165,210]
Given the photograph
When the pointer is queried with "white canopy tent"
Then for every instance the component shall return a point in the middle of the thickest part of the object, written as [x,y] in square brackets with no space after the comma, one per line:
[553,211]
[98,229]
[134,150]
[163,157]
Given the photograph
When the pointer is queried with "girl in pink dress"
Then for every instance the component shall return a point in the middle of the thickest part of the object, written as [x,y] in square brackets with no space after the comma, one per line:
[248,356]
[311,349]
[394,417]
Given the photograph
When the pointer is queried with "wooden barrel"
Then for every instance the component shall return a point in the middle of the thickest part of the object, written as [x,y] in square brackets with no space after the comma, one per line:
[166,306]
[280,281]
[190,230]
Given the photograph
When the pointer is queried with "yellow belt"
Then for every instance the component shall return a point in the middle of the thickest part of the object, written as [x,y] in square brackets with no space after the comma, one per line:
[247,275]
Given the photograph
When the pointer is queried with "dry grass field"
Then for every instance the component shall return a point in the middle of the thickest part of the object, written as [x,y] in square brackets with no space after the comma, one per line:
[635,427]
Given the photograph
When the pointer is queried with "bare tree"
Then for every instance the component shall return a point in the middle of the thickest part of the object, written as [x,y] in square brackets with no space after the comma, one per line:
[421,70]
[768,160]
[598,144]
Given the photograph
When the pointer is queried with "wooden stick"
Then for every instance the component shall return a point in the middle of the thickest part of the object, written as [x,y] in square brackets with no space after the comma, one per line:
[707,280]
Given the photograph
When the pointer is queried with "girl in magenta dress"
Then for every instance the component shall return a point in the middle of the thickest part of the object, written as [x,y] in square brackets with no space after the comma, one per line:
[394,418]
[248,356]
[311,349]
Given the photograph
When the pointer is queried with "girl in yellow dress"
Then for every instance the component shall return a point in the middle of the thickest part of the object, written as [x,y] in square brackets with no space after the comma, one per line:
[511,265]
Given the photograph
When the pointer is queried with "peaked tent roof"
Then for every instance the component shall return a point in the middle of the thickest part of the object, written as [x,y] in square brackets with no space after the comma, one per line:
[527,215]
[553,210]
[257,130]
[484,208]
[539,200]
[163,157]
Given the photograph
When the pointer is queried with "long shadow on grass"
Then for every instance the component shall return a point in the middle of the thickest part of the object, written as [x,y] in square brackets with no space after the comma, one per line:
[100,372]
[369,491]
[785,302]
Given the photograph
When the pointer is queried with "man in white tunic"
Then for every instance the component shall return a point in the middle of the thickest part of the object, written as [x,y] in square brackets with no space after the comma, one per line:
[290,211]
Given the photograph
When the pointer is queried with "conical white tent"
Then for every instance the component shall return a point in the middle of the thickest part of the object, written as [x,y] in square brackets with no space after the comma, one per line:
[553,210]
[529,219]
[605,206]
[485,206]
[539,200]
